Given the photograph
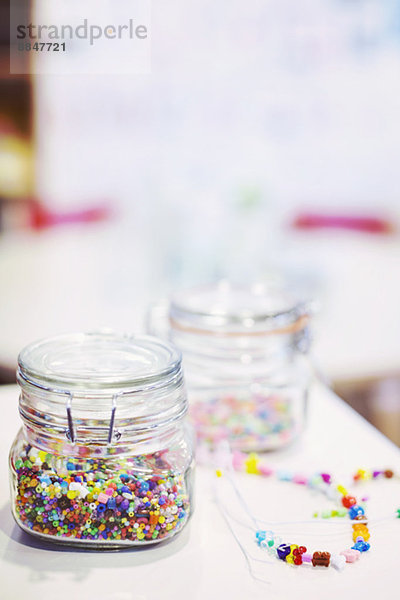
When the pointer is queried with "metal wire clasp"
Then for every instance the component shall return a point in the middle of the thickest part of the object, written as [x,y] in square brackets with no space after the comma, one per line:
[71,433]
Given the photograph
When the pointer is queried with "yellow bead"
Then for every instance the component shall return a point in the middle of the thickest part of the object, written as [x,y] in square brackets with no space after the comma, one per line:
[161,519]
[251,464]
[218,473]
[342,490]
[364,534]
[71,494]
[363,474]
[290,557]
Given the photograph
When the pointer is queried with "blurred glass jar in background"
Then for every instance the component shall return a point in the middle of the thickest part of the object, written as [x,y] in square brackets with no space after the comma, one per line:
[244,360]
[104,457]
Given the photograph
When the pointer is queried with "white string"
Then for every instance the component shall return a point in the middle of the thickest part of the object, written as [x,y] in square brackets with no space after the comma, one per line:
[257,520]
[246,554]
[345,525]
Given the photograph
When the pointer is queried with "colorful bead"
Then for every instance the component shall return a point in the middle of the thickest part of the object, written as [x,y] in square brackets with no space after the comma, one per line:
[297,555]
[321,559]
[98,499]
[247,421]
[360,545]
[291,556]
[251,463]
[360,530]
[355,511]
[326,477]
[348,501]
[283,551]
[338,561]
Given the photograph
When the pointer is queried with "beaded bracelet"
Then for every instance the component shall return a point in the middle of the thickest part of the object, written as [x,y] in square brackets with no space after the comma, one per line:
[297,554]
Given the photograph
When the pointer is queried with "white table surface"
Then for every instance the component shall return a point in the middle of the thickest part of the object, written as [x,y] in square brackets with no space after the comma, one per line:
[205,561]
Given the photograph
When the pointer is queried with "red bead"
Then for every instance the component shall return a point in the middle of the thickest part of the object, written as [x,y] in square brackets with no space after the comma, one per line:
[296,552]
[297,560]
[302,549]
[348,501]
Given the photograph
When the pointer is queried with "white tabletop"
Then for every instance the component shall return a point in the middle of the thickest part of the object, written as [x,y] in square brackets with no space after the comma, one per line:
[205,561]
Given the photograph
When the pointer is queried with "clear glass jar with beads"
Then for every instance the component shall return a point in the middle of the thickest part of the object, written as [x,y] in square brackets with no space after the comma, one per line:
[104,458]
[244,355]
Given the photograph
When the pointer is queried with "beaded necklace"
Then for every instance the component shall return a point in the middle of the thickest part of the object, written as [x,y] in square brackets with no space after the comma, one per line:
[296,554]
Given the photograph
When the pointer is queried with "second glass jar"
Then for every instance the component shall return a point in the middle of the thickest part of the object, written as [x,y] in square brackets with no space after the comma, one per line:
[243,353]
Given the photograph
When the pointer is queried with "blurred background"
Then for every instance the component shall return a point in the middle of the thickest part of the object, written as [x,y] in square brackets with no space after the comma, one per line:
[266,138]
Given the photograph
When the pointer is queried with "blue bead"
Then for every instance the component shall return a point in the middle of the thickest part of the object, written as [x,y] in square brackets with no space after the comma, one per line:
[125,488]
[283,550]
[361,546]
[284,476]
[261,535]
[355,510]
[111,503]
[124,504]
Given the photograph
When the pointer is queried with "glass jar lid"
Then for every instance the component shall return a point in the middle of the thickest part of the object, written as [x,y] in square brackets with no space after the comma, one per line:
[226,308]
[101,388]
[98,362]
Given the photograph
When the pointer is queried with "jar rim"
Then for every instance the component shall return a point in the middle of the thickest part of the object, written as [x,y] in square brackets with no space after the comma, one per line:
[225,308]
[97,361]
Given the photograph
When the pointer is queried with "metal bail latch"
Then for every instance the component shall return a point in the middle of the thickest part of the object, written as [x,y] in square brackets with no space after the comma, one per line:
[70,431]
[71,434]
[112,420]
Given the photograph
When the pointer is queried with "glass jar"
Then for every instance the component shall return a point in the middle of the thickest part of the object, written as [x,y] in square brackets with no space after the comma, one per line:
[243,354]
[104,457]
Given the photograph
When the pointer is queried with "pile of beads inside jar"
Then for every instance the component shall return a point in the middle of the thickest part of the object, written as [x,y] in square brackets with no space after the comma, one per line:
[103,457]
[242,349]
